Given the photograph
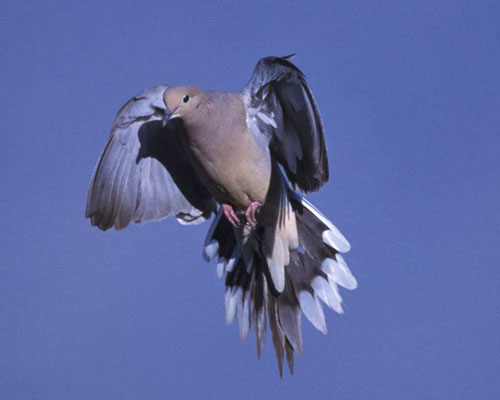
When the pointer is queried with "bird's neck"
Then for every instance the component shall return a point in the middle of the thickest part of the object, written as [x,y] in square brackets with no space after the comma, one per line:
[213,122]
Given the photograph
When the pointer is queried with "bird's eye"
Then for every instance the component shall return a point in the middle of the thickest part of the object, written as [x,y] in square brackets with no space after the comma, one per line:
[185,99]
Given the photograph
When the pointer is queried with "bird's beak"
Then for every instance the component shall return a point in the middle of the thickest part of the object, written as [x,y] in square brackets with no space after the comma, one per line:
[169,114]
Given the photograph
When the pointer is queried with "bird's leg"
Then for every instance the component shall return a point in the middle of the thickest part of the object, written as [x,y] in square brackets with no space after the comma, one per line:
[231,216]
[250,212]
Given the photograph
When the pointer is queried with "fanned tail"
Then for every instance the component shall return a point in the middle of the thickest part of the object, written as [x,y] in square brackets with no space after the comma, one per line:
[314,272]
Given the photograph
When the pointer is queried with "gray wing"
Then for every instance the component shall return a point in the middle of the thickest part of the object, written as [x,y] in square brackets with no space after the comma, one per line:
[144,173]
[282,113]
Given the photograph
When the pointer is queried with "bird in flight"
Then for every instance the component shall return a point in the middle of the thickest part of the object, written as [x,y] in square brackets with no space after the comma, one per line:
[248,158]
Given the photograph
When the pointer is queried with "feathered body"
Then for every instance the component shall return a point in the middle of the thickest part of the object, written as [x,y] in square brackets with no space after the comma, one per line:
[254,150]
[213,134]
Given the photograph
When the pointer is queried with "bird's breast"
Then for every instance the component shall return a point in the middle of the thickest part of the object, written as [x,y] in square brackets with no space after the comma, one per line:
[233,167]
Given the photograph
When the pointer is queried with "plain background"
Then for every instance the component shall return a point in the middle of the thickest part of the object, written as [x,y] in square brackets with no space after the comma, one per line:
[410,99]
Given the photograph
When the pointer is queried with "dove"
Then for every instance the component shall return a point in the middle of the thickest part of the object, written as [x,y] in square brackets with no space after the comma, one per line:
[245,160]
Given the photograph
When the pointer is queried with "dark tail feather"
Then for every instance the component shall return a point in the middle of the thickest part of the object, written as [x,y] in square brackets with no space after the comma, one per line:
[279,337]
[314,272]
[258,315]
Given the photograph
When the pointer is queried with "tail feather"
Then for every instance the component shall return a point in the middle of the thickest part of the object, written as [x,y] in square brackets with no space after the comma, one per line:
[279,338]
[302,272]
[313,274]
[314,222]
[258,297]
[290,315]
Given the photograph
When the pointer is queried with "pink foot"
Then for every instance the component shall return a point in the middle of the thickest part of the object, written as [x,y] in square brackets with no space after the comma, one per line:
[250,212]
[230,214]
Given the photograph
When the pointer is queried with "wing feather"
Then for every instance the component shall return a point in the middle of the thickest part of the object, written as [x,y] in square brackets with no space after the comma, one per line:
[144,173]
[283,114]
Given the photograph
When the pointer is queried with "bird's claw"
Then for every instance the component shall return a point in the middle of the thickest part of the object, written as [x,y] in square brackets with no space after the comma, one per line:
[231,216]
[251,211]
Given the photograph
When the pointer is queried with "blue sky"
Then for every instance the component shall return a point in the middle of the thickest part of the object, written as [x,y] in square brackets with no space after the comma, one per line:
[409,95]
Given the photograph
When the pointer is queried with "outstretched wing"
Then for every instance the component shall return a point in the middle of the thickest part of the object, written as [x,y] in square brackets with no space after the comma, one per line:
[282,113]
[144,173]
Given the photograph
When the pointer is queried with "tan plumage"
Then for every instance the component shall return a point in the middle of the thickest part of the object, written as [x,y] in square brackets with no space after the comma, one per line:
[220,145]
[244,151]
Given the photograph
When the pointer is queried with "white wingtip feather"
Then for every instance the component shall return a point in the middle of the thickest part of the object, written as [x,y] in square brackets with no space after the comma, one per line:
[221,264]
[313,311]
[332,236]
[339,272]
[232,297]
[210,250]
[328,293]
[335,239]
[244,316]
[232,261]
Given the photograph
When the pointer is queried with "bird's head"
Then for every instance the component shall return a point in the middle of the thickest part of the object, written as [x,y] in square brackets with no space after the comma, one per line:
[180,102]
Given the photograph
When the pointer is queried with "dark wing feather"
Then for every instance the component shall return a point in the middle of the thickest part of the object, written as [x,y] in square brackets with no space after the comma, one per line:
[144,173]
[282,114]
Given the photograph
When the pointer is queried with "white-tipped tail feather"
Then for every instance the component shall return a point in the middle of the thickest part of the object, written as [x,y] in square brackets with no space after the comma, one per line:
[313,274]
